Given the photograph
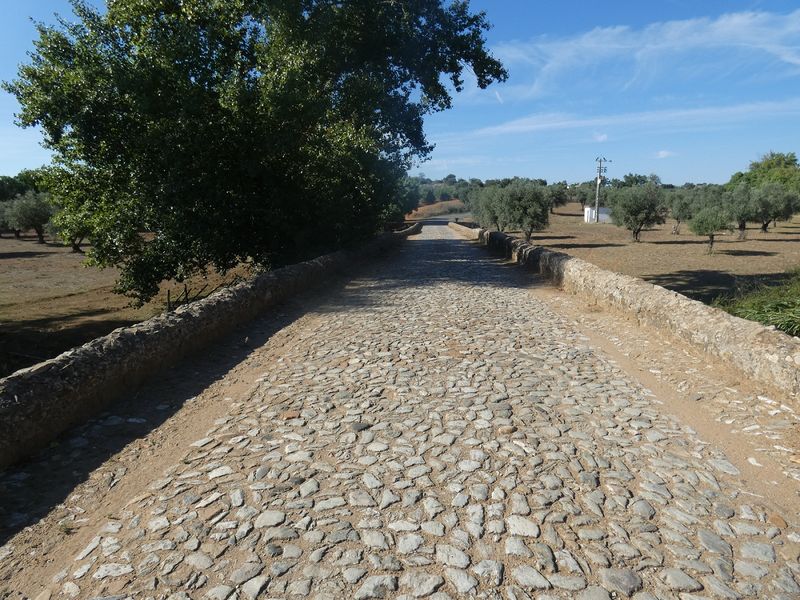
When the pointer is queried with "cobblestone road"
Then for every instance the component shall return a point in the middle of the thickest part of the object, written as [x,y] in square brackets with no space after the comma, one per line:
[440,433]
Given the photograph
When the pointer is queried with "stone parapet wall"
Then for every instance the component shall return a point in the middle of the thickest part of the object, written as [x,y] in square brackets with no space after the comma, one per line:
[40,402]
[764,354]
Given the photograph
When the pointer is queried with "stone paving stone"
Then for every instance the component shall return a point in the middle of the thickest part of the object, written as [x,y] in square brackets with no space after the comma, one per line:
[435,431]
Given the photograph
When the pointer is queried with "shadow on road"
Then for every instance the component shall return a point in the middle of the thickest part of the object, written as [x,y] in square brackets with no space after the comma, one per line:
[30,490]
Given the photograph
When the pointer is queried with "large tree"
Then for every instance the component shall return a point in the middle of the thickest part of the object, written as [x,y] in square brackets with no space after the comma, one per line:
[198,132]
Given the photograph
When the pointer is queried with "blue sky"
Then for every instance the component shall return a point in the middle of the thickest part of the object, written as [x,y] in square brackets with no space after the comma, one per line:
[690,90]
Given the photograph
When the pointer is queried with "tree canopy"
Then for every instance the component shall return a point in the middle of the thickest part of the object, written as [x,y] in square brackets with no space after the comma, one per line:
[637,207]
[197,132]
[772,167]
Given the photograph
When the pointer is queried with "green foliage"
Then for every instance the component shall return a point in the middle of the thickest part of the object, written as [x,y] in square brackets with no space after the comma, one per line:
[190,134]
[557,194]
[489,208]
[681,204]
[774,167]
[741,207]
[4,224]
[581,193]
[527,205]
[773,201]
[709,221]
[518,202]
[10,187]
[636,208]
[771,305]
[31,210]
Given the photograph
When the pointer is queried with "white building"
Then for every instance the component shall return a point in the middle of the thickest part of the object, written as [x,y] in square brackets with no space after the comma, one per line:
[589,217]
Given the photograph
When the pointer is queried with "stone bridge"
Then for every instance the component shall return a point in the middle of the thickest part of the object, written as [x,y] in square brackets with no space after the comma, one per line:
[440,426]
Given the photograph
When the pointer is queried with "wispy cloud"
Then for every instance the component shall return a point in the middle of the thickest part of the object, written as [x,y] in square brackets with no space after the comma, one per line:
[599,137]
[624,57]
[689,117]
[664,153]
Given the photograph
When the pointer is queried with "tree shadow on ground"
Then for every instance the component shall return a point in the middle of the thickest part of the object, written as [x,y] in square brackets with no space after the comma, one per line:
[586,245]
[748,253]
[27,254]
[31,489]
[678,241]
[709,285]
[544,236]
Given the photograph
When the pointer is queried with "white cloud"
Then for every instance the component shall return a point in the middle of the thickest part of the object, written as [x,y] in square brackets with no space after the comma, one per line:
[626,57]
[664,153]
[599,137]
[499,97]
[671,118]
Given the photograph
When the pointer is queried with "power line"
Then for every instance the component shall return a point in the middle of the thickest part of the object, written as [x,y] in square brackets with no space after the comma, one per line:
[600,171]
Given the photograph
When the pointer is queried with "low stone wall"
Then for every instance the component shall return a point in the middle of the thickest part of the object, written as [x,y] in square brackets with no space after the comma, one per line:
[42,401]
[769,356]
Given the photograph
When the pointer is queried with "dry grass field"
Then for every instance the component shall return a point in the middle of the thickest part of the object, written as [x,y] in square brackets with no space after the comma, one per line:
[50,302]
[678,262]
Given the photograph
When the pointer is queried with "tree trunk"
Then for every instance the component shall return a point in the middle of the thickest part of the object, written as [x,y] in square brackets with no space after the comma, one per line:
[742,230]
[676,229]
[39,234]
[636,233]
[711,243]
[765,226]
[75,243]
[17,233]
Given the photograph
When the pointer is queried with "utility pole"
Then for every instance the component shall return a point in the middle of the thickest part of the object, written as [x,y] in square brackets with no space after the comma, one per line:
[600,171]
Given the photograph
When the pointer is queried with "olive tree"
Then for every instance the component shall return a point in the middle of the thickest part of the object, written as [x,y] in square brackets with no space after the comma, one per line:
[681,206]
[637,207]
[741,207]
[773,201]
[31,210]
[557,195]
[528,205]
[709,221]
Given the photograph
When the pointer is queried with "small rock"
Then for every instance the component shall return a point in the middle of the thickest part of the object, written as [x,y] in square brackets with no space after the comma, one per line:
[270,518]
[376,586]
[529,578]
[421,584]
[622,581]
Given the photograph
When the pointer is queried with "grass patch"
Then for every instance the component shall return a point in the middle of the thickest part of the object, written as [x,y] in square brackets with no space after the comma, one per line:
[777,305]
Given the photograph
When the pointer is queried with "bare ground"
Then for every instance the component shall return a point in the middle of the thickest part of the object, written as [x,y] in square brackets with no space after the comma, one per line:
[678,262]
[51,302]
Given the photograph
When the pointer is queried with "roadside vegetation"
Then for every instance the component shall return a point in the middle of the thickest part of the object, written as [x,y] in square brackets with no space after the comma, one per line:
[777,305]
